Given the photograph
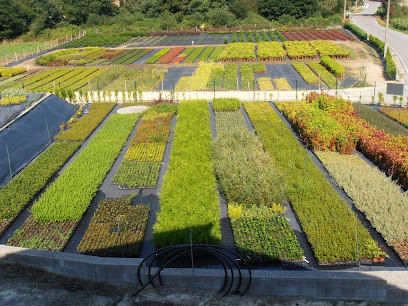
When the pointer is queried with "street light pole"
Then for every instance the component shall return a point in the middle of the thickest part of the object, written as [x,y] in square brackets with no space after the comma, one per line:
[386,29]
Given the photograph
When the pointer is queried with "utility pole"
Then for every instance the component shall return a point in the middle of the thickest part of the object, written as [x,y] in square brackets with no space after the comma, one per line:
[386,29]
[345,9]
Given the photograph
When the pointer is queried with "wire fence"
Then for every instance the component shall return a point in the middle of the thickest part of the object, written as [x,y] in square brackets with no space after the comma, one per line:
[32,49]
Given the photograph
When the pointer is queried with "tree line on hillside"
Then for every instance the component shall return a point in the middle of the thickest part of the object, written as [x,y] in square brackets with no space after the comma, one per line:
[21,16]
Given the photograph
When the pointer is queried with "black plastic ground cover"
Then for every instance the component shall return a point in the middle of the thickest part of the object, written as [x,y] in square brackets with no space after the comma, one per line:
[144,58]
[287,71]
[28,135]
[174,75]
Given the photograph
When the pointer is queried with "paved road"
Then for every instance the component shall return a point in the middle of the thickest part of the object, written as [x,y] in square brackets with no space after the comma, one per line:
[397,40]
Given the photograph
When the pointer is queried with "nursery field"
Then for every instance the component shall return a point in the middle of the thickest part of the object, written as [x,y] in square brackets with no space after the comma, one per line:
[136,40]
[109,81]
[238,51]
[260,177]
[242,36]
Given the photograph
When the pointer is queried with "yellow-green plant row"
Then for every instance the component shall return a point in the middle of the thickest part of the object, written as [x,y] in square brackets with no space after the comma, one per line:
[226,104]
[270,51]
[217,75]
[334,67]
[55,74]
[326,219]
[375,194]
[80,129]
[262,235]
[299,49]
[325,47]
[11,81]
[189,199]
[247,76]
[18,193]
[306,73]
[328,78]
[158,55]
[265,84]
[101,81]
[231,76]
[282,84]
[72,192]
[30,79]
[141,165]
[13,100]
[69,79]
[152,152]
[10,72]
[238,52]
[200,80]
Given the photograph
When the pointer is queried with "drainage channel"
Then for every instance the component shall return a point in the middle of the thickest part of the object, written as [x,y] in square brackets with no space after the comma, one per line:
[393,261]
[19,221]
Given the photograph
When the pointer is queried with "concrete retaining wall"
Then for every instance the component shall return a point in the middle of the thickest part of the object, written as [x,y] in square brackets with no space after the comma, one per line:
[354,94]
[353,285]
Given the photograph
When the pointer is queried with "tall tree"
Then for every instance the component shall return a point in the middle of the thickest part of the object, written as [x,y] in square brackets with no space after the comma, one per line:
[273,9]
[77,11]
[15,18]
[241,8]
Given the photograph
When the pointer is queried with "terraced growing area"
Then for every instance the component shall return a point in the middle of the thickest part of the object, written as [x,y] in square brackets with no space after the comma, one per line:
[261,177]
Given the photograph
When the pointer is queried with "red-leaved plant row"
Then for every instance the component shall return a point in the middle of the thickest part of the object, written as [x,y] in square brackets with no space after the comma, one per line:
[316,35]
[178,59]
[169,56]
[388,152]
[318,128]
[174,33]
[111,54]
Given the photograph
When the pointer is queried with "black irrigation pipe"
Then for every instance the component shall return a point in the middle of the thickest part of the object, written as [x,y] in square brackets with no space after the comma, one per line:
[171,253]
[186,251]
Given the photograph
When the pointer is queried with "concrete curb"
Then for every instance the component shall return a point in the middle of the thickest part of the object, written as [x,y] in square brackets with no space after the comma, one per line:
[380,286]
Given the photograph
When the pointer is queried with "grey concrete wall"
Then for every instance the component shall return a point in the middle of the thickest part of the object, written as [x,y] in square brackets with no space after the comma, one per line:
[351,285]
[113,270]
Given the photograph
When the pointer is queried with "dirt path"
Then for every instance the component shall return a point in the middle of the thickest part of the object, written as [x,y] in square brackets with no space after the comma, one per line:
[28,286]
[363,56]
